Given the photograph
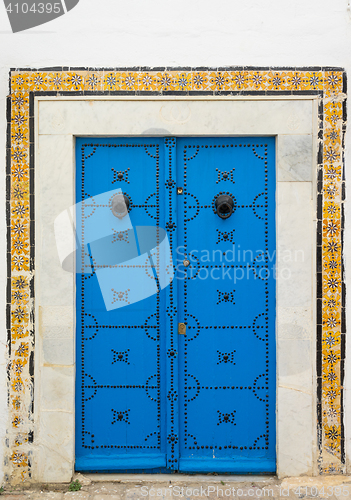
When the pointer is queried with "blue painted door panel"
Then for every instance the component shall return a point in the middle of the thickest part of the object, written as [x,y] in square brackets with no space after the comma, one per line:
[148,398]
[227,299]
[120,391]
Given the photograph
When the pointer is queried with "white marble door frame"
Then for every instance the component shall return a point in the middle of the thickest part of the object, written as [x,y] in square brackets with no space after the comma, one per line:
[294,122]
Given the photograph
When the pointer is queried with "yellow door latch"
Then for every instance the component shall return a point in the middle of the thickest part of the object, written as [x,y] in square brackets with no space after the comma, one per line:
[182,328]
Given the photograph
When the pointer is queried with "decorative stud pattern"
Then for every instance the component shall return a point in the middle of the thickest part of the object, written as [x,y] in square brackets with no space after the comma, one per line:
[225,357]
[328,84]
[225,175]
[120,296]
[226,418]
[120,416]
[120,356]
[225,297]
[227,236]
[171,312]
[120,236]
[120,175]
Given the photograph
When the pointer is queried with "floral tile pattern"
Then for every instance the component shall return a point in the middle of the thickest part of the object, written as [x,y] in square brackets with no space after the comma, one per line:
[328,84]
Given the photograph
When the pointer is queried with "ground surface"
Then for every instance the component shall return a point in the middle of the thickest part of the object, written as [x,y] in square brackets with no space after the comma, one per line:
[174,487]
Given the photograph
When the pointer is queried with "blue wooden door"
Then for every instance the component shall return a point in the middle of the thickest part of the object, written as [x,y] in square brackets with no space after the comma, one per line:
[176,363]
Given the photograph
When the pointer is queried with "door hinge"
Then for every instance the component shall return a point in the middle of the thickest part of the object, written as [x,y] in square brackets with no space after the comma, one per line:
[182,328]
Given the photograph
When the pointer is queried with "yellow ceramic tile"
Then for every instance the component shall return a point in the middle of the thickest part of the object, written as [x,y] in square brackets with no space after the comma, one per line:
[182,81]
[330,376]
[19,103]
[18,366]
[331,209]
[17,385]
[147,81]
[333,433]
[20,136]
[38,81]
[240,80]
[200,80]
[331,319]
[20,263]
[332,172]
[93,81]
[332,264]
[20,313]
[20,82]
[19,459]
[296,80]
[331,357]
[18,332]
[277,81]
[19,209]
[331,282]
[19,172]
[16,403]
[21,439]
[331,154]
[23,350]
[75,80]
[331,249]
[20,246]
[331,228]
[330,392]
[332,190]
[129,81]
[19,296]
[333,113]
[313,80]
[332,82]
[19,155]
[20,227]
[330,339]
[56,81]
[257,80]
[332,136]
[164,81]
[19,190]
[332,469]
[220,80]
[111,81]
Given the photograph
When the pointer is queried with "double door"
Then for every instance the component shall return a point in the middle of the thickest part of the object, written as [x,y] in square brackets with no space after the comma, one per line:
[175,293]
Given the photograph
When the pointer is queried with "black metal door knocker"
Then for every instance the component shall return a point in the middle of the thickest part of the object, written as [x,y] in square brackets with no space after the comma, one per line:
[224,206]
[120,205]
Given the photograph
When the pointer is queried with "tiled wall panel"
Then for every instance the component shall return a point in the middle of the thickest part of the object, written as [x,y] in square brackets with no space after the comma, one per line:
[327,83]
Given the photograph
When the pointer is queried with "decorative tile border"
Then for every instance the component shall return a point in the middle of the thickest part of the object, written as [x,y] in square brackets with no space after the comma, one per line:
[329,84]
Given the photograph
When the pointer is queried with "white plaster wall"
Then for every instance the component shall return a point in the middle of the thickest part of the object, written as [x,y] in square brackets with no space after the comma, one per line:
[183,33]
